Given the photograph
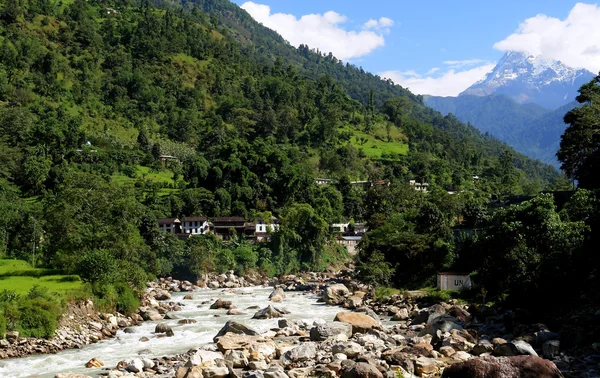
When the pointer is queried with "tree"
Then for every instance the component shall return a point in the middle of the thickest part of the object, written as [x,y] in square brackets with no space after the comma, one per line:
[304,231]
[579,150]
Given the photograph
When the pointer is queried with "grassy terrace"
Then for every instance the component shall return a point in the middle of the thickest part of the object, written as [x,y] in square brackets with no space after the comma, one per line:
[20,276]
[161,177]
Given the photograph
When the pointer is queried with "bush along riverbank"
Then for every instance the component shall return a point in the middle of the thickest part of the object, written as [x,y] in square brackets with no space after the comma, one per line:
[408,335]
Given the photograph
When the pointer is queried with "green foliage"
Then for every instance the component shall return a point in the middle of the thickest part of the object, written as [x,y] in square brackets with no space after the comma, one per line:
[2,325]
[90,101]
[578,151]
[382,292]
[33,315]
[375,271]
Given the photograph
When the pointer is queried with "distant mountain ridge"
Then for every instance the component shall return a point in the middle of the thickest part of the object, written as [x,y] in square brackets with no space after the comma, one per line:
[528,128]
[532,79]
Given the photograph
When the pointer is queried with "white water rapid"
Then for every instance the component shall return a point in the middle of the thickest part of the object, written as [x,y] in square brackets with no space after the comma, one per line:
[188,336]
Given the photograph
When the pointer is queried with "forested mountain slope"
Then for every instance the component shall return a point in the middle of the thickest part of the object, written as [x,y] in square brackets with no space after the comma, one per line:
[529,128]
[92,93]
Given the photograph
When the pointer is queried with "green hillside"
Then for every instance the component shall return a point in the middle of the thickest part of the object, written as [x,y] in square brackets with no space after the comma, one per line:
[116,112]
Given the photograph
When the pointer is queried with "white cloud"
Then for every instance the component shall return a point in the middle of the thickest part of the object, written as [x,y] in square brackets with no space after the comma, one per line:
[449,83]
[382,23]
[322,31]
[573,41]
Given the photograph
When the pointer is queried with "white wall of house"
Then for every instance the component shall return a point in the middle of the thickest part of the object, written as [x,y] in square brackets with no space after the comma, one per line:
[261,227]
[195,227]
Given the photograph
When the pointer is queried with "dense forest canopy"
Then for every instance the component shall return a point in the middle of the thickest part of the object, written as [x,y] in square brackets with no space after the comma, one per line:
[116,112]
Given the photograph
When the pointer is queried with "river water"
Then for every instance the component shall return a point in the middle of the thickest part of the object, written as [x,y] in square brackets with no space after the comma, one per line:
[124,346]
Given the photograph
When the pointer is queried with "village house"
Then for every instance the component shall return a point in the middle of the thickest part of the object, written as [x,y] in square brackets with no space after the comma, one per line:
[263,229]
[350,234]
[224,226]
[195,226]
[172,225]
[421,187]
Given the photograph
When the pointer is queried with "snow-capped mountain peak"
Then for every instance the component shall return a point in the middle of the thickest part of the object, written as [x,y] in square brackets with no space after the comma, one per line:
[529,78]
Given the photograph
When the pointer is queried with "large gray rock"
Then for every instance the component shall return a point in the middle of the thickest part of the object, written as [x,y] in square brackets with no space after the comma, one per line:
[235,327]
[336,294]
[325,331]
[203,356]
[268,312]
[237,358]
[304,352]
[277,295]
[350,349]
[150,314]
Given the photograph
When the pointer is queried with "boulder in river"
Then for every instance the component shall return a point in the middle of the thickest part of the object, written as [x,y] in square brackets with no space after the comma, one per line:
[277,295]
[235,327]
[336,294]
[162,328]
[94,363]
[150,314]
[268,313]
[503,367]
[219,304]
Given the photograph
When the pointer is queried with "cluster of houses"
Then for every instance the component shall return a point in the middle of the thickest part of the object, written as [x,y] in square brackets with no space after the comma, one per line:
[222,227]
[347,234]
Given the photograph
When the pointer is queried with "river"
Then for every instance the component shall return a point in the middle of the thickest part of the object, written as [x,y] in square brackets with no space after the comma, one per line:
[125,346]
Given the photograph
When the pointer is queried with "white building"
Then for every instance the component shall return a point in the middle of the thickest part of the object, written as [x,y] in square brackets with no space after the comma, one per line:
[420,186]
[263,229]
[454,281]
[195,226]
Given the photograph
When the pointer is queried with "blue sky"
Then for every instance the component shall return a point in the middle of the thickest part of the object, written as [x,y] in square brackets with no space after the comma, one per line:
[436,47]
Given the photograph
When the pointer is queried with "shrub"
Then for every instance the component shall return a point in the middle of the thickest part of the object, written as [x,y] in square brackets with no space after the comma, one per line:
[225,260]
[375,271]
[38,317]
[127,301]
[245,258]
[384,291]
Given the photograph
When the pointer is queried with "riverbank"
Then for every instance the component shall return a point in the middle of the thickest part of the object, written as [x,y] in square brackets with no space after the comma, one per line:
[410,334]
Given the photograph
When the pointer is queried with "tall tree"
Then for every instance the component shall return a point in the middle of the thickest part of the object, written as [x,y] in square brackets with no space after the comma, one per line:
[580,144]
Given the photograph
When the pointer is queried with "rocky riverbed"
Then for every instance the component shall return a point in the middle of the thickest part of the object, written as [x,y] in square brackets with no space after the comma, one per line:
[332,327]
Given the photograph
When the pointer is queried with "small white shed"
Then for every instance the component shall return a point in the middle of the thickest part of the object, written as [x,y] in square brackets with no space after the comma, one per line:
[454,281]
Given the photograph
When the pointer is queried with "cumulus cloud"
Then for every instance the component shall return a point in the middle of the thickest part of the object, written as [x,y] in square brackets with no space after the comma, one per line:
[323,31]
[448,83]
[382,23]
[573,41]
